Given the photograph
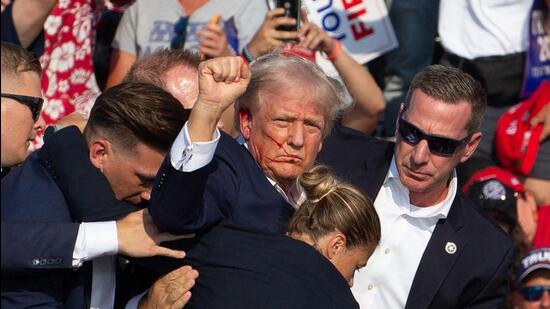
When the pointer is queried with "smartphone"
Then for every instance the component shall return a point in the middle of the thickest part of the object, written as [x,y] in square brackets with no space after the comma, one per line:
[292,9]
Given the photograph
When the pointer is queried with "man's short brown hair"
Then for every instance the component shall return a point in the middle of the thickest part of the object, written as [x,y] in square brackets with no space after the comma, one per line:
[152,68]
[137,112]
[16,60]
[451,85]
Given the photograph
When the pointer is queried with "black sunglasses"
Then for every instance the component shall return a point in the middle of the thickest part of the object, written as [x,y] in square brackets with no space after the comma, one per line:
[34,103]
[535,292]
[442,146]
[180,29]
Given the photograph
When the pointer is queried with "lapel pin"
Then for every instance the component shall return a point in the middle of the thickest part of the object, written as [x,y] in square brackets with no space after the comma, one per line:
[450,247]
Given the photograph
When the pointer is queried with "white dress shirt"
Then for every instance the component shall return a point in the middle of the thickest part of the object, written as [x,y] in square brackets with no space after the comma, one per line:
[406,229]
[98,241]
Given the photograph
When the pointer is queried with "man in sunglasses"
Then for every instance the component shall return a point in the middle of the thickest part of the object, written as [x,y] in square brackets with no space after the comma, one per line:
[21,104]
[437,250]
[534,280]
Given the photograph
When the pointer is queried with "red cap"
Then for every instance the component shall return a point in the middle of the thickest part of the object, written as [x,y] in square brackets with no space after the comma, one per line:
[492,172]
[516,143]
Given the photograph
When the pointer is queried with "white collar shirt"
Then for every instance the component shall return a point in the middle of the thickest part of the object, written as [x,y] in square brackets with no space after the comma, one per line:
[406,229]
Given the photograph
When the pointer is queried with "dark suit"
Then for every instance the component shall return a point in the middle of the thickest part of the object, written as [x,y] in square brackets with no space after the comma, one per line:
[232,186]
[476,275]
[240,267]
[44,196]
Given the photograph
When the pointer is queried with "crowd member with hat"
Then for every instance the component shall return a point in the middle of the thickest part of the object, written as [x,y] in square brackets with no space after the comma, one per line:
[497,191]
[502,196]
[522,146]
[533,280]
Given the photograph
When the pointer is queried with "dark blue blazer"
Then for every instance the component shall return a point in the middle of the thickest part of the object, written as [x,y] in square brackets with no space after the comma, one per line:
[241,267]
[476,275]
[40,202]
[232,186]
[30,195]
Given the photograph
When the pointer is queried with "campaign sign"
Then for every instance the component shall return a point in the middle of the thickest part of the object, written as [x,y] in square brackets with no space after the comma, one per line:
[363,26]
[537,67]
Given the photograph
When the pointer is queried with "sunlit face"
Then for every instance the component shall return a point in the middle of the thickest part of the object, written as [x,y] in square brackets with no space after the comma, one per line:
[426,174]
[349,260]
[18,125]
[131,174]
[284,135]
[541,278]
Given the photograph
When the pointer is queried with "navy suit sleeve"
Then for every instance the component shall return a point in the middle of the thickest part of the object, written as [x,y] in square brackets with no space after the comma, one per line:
[87,192]
[186,202]
[37,246]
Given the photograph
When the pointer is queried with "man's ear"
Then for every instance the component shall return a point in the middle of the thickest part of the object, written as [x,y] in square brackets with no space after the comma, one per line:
[471,146]
[245,123]
[100,149]
[335,245]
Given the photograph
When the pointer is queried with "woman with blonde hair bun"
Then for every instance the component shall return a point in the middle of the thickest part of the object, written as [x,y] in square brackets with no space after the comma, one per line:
[332,234]
[337,220]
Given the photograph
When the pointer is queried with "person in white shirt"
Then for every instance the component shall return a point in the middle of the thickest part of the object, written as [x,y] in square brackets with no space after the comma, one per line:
[437,250]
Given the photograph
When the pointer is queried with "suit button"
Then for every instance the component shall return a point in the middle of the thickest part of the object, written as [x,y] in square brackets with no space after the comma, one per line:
[35,262]
[58,261]
[43,262]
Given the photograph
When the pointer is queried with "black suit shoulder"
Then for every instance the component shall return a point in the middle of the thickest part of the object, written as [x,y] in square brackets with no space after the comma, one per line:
[357,158]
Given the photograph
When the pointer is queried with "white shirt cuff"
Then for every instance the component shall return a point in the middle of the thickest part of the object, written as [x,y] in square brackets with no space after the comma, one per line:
[94,240]
[134,301]
[187,156]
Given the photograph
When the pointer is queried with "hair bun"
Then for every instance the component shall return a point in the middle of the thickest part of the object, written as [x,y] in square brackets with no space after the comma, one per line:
[318,182]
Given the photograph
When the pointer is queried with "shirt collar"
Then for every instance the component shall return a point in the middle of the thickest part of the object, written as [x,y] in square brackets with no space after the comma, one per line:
[439,210]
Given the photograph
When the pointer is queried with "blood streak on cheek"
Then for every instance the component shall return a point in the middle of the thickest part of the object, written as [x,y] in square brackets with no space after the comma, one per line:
[280,145]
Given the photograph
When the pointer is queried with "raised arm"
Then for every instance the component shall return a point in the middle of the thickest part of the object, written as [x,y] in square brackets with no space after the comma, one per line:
[29,17]
[368,98]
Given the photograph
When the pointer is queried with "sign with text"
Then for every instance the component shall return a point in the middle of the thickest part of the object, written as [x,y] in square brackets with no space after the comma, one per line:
[363,26]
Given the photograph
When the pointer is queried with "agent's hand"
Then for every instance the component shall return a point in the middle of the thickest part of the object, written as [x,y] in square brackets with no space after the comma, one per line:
[213,41]
[171,291]
[268,37]
[138,236]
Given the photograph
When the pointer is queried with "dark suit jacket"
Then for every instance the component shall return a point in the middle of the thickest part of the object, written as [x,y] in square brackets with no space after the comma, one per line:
[240,267]
[52,189]
[476,275]
[232,186]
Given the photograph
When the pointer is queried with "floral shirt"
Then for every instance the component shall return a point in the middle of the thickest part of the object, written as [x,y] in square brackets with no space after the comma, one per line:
[68,80]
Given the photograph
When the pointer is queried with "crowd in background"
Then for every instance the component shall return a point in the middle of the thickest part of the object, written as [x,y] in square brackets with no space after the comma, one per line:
[204,123]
